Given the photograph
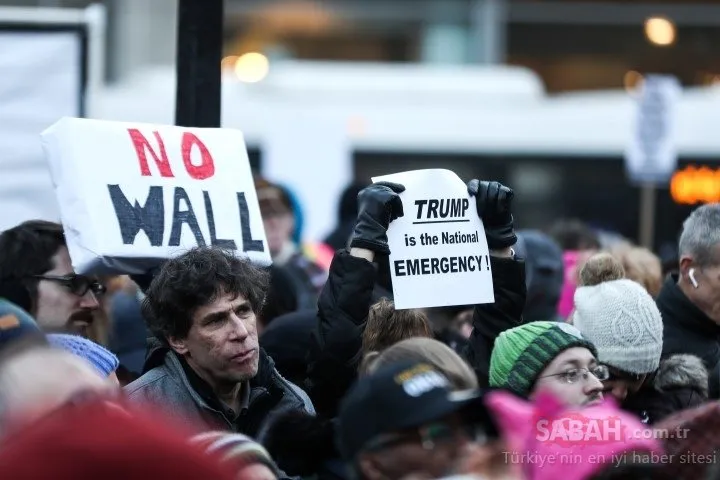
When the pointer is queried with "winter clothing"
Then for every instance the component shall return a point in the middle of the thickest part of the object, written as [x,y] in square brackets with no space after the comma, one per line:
[236,449]
[544,274]
[493,201]
[173,385]
[681,382]
[621,319]
[378,205]
[100,441]
[287,340]
[397,397]
[688,330]
[100,357]
[567,294]
[539,431]
[522,353]
[15,324]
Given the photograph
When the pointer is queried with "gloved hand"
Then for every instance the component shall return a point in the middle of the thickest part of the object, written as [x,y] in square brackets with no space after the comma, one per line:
[493,201]
[378,205]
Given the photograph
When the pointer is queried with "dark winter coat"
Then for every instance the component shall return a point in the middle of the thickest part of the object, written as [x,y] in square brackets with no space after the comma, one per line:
[688,330]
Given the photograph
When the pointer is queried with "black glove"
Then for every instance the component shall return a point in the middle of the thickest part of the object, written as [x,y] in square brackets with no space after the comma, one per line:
[378,205]
[493,201]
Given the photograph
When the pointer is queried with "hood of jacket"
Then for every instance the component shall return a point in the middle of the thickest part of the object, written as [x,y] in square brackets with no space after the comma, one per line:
[681,371]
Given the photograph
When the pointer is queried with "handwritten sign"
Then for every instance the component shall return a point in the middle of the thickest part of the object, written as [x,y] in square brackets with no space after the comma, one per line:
[132,195]
[439,254]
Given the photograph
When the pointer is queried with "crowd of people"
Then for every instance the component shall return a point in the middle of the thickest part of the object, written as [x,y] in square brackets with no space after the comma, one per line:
[596,360]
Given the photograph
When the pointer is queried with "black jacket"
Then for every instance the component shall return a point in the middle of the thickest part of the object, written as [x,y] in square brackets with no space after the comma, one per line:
[686,329]
[681,382]
[343,307]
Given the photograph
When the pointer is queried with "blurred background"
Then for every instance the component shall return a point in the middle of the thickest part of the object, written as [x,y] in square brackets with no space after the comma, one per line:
[539,94]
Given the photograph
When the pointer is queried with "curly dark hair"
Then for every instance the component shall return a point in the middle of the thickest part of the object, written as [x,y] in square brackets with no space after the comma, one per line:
[27,250]
[194,279]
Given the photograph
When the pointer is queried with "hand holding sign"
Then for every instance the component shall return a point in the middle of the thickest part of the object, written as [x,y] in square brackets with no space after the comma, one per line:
[132,195]
[493,201]
[438,251]
[378,205]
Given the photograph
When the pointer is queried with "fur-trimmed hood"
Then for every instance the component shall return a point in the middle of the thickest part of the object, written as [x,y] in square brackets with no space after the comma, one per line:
[682,371]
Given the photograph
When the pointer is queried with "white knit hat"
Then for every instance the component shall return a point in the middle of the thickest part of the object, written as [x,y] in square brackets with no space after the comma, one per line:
[621,319]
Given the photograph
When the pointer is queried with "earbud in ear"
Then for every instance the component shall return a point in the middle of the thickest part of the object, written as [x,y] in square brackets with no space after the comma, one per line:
[691,274]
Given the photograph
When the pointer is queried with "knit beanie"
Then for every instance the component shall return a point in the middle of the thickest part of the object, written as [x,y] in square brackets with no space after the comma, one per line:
[234,448]
[621,319]
[100,357]
[522,353]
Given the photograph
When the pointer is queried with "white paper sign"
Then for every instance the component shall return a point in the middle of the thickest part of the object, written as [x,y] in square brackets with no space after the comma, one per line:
[439,254]
[651,156]
[132,195]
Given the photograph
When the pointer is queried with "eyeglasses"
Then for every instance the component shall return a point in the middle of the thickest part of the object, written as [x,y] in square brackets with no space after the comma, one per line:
[78,284]
[600,372]
[431,435]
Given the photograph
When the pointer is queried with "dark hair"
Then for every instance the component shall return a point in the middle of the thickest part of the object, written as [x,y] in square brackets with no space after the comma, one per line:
[27,250]
[574,235]
[386,326]
[194,279]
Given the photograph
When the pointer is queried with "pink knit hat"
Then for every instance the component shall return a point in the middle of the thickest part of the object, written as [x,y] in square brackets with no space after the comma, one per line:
[546,440]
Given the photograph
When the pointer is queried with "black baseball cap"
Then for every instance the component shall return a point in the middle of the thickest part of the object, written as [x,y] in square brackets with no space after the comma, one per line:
[401,396]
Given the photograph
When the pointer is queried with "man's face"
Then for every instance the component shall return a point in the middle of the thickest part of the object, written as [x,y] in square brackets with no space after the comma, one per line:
[58,308]
[569,379]
[707,294]
[278,229]
[222,344]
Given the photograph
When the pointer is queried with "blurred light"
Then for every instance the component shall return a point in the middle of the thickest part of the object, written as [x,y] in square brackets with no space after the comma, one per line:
[252,67]
[228,63]
[695,185]
[660,31]
[632,81]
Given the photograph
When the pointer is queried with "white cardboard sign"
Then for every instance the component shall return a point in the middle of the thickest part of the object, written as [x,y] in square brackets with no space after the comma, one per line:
[132,195]
[439,254]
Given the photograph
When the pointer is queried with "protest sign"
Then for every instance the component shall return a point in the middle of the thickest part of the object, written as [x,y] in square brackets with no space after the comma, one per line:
[439,254]
[132,195]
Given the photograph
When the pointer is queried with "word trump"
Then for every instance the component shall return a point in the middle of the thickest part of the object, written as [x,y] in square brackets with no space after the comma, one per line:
[187,198]
[447,209]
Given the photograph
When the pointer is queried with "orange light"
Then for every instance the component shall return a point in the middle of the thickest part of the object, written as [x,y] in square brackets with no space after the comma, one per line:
[695,185]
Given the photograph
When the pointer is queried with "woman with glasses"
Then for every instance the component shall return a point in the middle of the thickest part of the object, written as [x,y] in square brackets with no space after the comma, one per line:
[548,356]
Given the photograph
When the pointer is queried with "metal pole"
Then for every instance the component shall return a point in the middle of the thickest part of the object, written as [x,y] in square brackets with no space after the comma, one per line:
[199,53]
[647,216]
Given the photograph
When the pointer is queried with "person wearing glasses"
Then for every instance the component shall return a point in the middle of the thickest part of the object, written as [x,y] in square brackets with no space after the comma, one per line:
[406,420]
[548,356]
[35,266]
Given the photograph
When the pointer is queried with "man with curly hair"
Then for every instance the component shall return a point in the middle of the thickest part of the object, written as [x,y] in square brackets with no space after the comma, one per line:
[207,369]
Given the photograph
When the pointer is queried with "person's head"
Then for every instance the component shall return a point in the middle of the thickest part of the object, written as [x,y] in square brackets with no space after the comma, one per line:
[203,304]
[699,246]
[544,274]
[277,214]
[34,255]
[434,352]
[642,266]
[99,439]
[406,419]
[574,235]
[621,319]
[547,356]
[102,359]
[386,326]
[16,325]
[243,454]
[38,379]
[599,268]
